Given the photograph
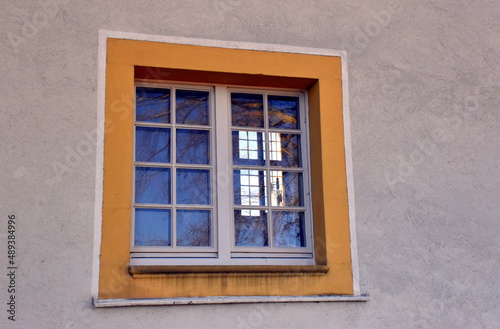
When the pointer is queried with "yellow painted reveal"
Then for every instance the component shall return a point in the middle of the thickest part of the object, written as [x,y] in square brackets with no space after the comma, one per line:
[329,186]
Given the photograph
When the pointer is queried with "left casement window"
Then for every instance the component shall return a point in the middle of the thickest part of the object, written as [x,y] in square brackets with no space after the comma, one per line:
[220,176]
[173,169]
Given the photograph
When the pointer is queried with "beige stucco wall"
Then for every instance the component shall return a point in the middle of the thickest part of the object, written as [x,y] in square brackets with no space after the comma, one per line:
[423,81]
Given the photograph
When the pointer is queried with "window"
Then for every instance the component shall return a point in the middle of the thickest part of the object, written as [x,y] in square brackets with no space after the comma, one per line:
[223,172]
[192,159]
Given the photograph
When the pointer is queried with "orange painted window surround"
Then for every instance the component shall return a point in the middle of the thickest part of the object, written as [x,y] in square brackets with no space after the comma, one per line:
[321,76]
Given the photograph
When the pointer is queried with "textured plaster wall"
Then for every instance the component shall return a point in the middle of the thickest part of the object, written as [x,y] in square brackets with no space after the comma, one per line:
[424,86]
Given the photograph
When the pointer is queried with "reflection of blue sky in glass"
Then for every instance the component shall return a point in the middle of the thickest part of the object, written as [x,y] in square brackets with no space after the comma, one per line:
[152,144]
[152,105]
[192,107]
[193,186]
[289,150]
[247,110]
[193,227]
[283,112]
[288,228]
[152,227]
[250,230]
[248,148]
[193,146]
[286,189]
[152,185]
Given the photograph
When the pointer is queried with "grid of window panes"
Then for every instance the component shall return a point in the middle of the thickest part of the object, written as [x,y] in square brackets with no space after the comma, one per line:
[268,171]
[173,169]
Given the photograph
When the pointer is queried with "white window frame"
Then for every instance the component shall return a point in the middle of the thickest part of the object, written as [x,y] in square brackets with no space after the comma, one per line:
[223,250]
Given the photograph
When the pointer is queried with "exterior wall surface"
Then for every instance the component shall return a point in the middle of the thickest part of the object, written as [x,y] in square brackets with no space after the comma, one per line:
[424,81]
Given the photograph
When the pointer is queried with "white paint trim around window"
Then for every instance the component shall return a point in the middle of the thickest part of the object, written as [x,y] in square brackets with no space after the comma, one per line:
[101,303]
[350,176]
[103,37]
[99,175]
[222,43]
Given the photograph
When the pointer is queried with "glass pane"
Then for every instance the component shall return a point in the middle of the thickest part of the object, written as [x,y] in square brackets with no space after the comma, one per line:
[152,185]
[193,186]
[288,229]
[250,227]
[191,107]
[249,187]
[283,112]
[248,148]
[152,144]
[193,228]
[286,189]
[284,150]
[152,227]
[247,110]
[152,105]
[193,146]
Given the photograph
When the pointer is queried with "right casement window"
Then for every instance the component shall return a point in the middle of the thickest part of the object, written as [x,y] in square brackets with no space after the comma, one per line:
[221,176]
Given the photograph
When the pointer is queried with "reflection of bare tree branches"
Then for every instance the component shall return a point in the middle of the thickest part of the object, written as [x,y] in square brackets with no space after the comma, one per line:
[153,104]
[247,110]
[192,107]
[280,119]
[283,112]
[153,144]
[193,146]
[251,230]
[288,229]
[290,151]
[193,228]
[152,185]
[193,186]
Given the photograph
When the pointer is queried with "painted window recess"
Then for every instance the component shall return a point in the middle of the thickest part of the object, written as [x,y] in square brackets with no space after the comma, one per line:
[254,138]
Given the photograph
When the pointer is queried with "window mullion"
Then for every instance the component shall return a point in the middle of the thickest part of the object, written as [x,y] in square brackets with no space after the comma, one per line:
[268,174]
[173,177]
[224,173]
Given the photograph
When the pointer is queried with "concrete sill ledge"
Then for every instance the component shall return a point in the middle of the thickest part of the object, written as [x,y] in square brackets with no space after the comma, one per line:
[157,270]
[101,303]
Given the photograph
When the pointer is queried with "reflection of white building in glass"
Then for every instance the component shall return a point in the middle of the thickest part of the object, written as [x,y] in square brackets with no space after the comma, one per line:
[249,145]
[250,182]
